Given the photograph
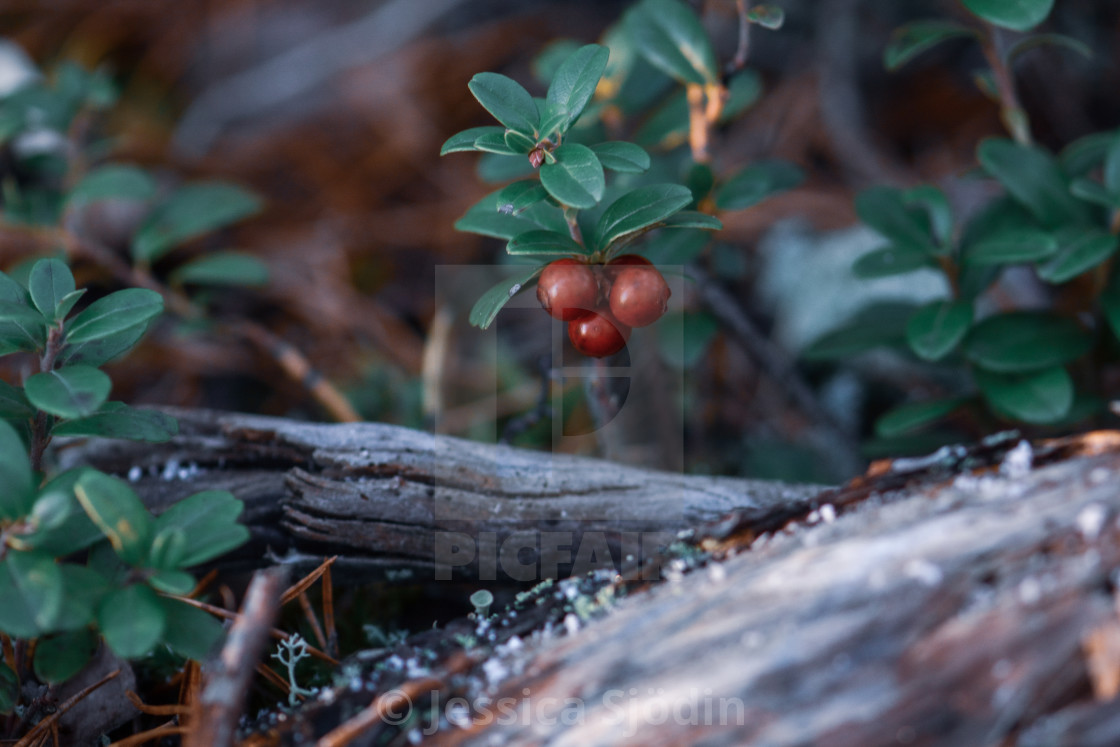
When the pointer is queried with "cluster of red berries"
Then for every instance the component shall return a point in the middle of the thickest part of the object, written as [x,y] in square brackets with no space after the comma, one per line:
[601,303]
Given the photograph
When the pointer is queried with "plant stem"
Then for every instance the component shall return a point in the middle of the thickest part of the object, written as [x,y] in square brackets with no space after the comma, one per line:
[1011,112]
[40,426]
[740,59]
[570,216]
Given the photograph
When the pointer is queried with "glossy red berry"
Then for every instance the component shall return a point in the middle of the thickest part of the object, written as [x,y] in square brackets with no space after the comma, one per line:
[639,295]
[568,289]
[598,334]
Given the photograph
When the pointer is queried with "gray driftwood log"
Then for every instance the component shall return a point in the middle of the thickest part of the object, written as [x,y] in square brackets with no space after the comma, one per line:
[403,503]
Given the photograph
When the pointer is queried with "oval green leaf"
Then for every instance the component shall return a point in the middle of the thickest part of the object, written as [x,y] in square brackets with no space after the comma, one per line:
[464,141]
[507,101]
[114,313]
[190,631]
[50,281]
[1011,246]
[32,588]
[15,475]
[639,209]
[208,521]
[121,422]
[692,219]
[877,325]
[767,16]
[757,182]
[70,392]
[487,307]
[885,210]
[1081,249]
[891,260]
[672,38]
[575,80]
[1040,397]
[99,351]
[682,338]
[544,243]
[915,415]
[1033,178]
[576,179]
[132,620]
[190,212]
[909,41]
[13,404]
[623,157]
[59,657]
[223,268]
[1094,192]
[1021,341]
[113,182]
[936,328]
[118,513]
[1017,15]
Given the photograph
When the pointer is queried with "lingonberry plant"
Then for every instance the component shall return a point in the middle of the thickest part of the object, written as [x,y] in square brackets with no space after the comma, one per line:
[565,215]
[1058,215]
[81,558]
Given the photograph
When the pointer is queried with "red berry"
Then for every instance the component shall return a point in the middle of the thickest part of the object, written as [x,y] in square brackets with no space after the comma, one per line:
[568,289]
[639,295]
[598,334]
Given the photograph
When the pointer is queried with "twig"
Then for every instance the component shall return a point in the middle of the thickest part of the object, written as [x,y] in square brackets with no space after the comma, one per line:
[779,367]
[48,723]
[219,707]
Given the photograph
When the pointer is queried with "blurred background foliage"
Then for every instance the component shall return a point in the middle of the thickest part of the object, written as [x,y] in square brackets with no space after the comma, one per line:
[333,112]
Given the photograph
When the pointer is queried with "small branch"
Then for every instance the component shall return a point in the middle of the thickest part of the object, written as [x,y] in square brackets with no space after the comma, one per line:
[740,60]
[570,216]
[1011,112]
[219,707]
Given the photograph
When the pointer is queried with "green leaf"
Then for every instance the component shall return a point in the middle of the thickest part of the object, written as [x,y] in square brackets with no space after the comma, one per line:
[70,392]
[891,260]
[31,587]
[61,526]
[1020,341]
[114,313]
[509,197]
[576,179]
[59,657]
[670,36]
[877,325]
[683,338]
[639,208]
[757,182]
[1083,154]
[50,281]
[507,101]
[1094,192]
[209,522]
[621,156]
[1043,40]
[172,582]
[169,546]
[484,218]
[767,16]
[121,421]
[1032,176]
[487,307]
[83,590]
[544,243]
[575,80]
[692,219]
[496,143]
[67,302]
[1112,167]
[915,415]
[190,632]
[1011,246]
[132,620]
[938,327]
[190,212]
[518,143]
[113,182]
[1041,397]
[15,475]
[13,404]
[120,515]
[99,351]
[1017,15]
[1081,249]
[223,268]
[909,41]
[9,689]
[937,206]
[675,247]
[464,141]
[667,127]
[1110,302]
[885,210]
[28,320]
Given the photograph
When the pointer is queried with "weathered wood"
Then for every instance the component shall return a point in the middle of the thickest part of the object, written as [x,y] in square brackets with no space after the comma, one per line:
[397,501]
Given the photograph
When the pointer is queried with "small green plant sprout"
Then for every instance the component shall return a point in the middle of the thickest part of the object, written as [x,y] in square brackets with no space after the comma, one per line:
[482,599]
[1057,215]
[289,652]
[655,83]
